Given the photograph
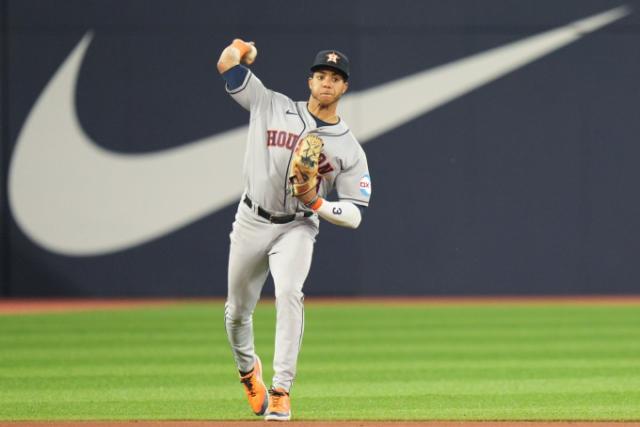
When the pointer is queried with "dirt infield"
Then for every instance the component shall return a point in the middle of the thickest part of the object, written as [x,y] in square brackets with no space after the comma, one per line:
[318,424]
[14,306]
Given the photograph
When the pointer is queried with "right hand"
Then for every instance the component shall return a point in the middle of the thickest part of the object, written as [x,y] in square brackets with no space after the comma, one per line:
[247,50]
[250,56]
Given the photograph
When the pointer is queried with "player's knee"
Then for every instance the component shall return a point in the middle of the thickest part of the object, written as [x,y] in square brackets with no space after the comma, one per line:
[238,320]
[289,293]
[237,315]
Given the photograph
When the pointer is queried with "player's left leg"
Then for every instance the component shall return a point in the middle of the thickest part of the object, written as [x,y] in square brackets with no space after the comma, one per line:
[289,261]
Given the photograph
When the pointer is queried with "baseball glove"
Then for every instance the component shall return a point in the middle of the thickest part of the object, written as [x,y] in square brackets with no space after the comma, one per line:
[305,163]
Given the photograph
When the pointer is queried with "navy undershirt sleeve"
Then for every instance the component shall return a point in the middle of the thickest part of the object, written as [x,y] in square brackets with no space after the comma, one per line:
[235,76]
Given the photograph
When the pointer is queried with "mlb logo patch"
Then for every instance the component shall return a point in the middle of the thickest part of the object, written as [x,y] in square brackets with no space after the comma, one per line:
[365,185]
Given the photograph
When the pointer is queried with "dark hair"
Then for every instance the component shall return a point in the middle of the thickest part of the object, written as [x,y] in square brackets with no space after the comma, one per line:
[335,70]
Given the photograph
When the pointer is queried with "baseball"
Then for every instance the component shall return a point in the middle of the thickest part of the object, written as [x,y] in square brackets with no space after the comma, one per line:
[250,56]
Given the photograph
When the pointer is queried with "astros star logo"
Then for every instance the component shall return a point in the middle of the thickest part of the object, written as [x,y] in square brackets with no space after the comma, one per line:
[332,57]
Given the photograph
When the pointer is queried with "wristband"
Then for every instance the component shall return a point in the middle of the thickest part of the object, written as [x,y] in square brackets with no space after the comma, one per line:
[315,203]
[242,46]
[312,201]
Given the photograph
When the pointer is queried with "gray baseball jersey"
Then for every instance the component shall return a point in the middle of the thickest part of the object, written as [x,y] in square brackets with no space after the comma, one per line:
[276,124]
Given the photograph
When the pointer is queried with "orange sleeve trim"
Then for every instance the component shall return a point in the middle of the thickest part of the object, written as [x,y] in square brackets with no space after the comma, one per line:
[316,205]
[242,46]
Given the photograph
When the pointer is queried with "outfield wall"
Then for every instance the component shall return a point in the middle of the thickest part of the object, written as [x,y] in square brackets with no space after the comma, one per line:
[521,180]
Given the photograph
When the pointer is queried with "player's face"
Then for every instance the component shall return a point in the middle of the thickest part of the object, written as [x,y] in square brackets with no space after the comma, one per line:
[327,86]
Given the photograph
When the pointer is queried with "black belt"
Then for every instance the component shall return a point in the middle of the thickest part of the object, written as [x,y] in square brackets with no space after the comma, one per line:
[274,219]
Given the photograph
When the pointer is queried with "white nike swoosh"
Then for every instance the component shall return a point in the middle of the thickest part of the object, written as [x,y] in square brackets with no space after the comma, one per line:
[73,197]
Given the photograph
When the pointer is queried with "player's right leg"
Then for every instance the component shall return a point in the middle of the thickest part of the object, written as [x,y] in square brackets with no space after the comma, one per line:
[248,270]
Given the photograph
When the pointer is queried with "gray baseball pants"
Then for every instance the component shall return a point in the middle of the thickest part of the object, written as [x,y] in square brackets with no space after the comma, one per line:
[257,247]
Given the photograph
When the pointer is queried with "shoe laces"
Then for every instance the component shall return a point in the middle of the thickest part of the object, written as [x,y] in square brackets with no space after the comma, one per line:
[276,396]
[249,384]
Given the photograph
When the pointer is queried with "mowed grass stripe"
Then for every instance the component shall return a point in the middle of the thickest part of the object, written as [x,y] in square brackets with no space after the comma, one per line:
[53,340]
[376,354]
[344,335]
[516,368]
[520,346]
[580,360]
[551,406]
[181,387]
[134,409]
[205,375]
[438,361]
[192,316]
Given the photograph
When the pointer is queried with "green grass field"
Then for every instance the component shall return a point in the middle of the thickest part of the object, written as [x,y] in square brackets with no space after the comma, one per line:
[411,362]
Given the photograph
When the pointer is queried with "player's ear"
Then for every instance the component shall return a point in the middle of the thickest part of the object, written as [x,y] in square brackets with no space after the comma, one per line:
[346,87]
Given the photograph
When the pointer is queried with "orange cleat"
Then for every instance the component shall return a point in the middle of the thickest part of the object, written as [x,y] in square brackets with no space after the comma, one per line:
[255,389]
[279,405]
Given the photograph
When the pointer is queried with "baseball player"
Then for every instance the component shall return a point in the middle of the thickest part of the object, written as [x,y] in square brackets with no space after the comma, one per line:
[297,153]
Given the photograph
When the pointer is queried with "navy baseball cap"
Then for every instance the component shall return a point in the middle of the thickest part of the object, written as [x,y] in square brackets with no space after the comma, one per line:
[333,59]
